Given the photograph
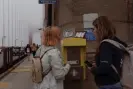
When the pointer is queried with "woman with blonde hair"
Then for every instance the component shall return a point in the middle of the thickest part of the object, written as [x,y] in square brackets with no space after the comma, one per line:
[107,55]
[52,60]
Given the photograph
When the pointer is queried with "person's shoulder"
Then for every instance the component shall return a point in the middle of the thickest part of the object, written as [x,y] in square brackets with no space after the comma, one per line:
[106,48]
[105,45]
[54,52]
[120,41]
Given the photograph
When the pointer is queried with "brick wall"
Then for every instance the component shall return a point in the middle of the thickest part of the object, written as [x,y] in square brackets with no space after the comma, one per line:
[70,13]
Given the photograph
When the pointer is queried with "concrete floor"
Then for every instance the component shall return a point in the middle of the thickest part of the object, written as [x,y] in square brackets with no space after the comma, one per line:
[20,78]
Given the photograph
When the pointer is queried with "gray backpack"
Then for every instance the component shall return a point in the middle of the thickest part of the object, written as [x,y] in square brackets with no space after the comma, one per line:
[127,65]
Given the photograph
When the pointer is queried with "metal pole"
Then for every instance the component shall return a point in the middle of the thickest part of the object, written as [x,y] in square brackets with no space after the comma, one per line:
[20,32]
[21,43]
[20,28]
[16,36]
[8,23]
[16,42]
[17,31]
[3,24]
[15,24]
[12,25]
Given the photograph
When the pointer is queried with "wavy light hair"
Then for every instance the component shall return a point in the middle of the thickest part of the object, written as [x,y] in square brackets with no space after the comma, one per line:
[51,36]
[105,28]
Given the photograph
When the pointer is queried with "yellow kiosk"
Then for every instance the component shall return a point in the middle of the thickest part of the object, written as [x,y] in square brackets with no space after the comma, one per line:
[74,52]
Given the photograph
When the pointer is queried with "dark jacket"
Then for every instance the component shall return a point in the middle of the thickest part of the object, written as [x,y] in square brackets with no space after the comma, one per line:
[26,48]
[108,55]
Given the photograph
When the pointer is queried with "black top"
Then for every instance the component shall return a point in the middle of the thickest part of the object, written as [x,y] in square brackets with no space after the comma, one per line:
[108,55]
[29,48]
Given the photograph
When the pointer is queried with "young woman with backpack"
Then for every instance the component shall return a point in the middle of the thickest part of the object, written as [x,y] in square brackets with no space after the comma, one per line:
[107,55]
[52,62]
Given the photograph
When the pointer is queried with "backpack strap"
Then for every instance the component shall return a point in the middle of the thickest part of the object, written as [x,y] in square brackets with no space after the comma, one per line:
[49,69]
[46,52]
[116,44]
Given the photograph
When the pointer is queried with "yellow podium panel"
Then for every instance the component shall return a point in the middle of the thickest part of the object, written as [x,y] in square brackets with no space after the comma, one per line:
[74,52]
[74,42]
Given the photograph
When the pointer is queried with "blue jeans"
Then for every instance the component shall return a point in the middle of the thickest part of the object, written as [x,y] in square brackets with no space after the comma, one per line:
[115,86]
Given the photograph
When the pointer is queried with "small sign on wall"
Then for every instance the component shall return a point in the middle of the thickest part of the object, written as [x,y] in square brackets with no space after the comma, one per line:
[47,1]
[80,34]
[73,62]
[88,19]
[69,33]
